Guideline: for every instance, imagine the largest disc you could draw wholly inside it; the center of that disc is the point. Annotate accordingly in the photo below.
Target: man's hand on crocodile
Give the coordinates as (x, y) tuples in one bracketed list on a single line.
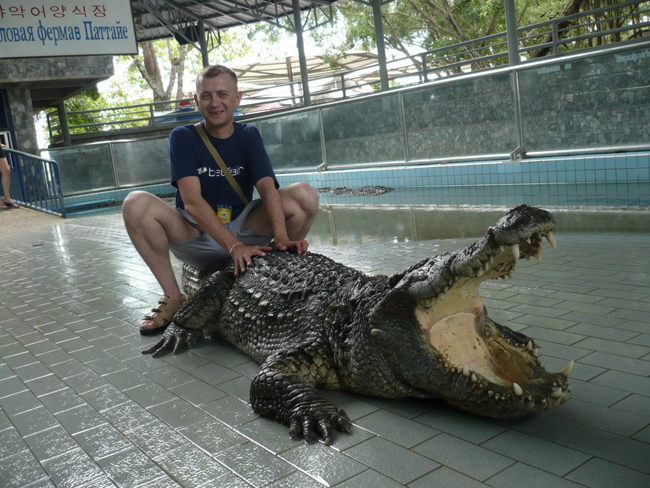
[(174, 340), (299, 247), (242, 256)]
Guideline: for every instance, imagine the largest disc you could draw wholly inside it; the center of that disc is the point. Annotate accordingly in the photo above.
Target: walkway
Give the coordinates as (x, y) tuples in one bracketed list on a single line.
[(82, 407)]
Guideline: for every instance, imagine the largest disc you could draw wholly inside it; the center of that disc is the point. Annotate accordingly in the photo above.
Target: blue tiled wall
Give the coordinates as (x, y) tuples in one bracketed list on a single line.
[(609, 181), (613, 181), (98, 198)]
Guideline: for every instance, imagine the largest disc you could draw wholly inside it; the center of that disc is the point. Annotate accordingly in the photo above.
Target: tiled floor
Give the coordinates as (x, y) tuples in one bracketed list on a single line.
[(82, 407)]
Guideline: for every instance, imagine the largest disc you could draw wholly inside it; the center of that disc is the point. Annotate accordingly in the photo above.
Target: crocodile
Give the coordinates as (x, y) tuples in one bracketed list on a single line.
[(313, 323)]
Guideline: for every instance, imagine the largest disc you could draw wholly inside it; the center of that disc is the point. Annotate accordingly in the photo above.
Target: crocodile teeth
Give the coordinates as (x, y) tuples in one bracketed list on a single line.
[(557, 393), (550, 237), (567, 369), (465, 371), (538, 255), (528, 240), (515, 251), (474, 378), (518, 390), (529, 346)]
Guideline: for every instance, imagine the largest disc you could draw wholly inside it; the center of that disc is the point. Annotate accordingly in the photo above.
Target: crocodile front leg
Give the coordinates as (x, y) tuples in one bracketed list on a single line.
[(195, 315), (284, 390)]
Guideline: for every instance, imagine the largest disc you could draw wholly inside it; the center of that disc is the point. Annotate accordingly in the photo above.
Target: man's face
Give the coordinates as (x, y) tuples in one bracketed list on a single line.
[(217, 100)]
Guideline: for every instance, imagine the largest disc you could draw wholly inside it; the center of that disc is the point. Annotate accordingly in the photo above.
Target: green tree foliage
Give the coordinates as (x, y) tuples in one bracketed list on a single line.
[(90, 99), (416, 26)]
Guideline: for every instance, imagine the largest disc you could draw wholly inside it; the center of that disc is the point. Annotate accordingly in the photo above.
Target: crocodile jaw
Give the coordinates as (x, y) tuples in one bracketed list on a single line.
[(474, 363)]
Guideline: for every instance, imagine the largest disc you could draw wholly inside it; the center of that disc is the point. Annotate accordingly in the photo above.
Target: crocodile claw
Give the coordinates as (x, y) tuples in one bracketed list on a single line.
[(322, 419), (174, 340)]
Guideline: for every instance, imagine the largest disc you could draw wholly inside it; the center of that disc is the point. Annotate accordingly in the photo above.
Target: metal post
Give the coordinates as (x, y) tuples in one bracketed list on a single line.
[(63, 124), (424, 68), (511, 32), (556, 46), (513, 57), (379, 39), (203, 43), (304, 75)]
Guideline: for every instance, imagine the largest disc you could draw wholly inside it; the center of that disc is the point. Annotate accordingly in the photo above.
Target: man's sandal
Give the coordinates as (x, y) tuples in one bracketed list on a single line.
[(162, 314)]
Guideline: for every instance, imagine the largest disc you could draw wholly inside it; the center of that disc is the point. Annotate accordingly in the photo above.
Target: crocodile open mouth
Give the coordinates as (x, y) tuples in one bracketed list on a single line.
[(469, 344)]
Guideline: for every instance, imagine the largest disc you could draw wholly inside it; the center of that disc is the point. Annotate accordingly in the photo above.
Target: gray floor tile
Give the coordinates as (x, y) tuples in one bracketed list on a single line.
[(271, 435), (519, 474), (254, 464), (618, 449), (177, 412), (230, 410), (102, 441), (637, 404), (130, 467), (477, 462), (396, 428), (538, 453), (79, 418), (70, 361), (11, 442), (446, 477), (72, 469), (212, 436), (594, 393), (18, 470), (150, 394), (400, 464), (602, 418), (156, 438), (602, 474), (643, 435), (618, 363), (325, 464), (297, 479), (198, 393)]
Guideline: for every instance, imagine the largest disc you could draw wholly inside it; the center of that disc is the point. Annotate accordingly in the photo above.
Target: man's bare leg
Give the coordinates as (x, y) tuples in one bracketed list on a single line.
[(300, 205), (152, 224)]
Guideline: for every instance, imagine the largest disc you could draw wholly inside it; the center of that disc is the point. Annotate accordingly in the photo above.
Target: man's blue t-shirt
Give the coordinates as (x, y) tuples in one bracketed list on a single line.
[(243, 152)]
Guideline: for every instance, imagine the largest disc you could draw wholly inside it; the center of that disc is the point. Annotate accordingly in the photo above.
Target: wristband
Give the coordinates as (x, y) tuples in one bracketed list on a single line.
[(234, 246)]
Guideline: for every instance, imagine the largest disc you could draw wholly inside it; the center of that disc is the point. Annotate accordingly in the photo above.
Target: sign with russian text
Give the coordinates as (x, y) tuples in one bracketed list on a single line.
[(45, 28)]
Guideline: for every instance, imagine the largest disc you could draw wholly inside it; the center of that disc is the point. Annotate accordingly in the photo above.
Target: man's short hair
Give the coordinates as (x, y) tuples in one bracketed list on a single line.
[(213, 72)]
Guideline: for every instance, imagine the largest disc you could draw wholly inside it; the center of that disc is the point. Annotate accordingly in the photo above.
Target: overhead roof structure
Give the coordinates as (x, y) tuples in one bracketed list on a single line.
[(156, 18), (198, 22), (286, 70)]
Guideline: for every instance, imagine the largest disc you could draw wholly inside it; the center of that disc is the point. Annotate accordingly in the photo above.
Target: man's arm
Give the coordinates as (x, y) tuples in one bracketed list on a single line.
[(272, 202), (197, 207)]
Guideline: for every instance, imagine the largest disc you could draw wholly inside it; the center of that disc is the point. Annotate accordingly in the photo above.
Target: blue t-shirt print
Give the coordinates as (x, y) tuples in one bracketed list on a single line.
[(243, 152)]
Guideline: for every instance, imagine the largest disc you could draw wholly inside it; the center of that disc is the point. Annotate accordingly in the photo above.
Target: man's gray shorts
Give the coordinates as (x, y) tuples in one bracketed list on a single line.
[(204, 250)]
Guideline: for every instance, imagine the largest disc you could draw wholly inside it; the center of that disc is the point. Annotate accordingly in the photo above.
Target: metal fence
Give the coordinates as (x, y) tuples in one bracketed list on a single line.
[(35, 182), (581, 104), (625, 22)]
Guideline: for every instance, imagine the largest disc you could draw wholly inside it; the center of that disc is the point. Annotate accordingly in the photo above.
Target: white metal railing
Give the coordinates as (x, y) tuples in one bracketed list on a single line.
[(625, 22)]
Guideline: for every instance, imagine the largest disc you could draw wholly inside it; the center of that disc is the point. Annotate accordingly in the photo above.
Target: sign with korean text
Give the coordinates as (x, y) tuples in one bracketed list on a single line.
[(45, 28)]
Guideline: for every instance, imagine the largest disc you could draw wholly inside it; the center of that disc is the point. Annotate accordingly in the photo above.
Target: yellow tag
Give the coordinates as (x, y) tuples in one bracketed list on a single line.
[(224, 215)]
